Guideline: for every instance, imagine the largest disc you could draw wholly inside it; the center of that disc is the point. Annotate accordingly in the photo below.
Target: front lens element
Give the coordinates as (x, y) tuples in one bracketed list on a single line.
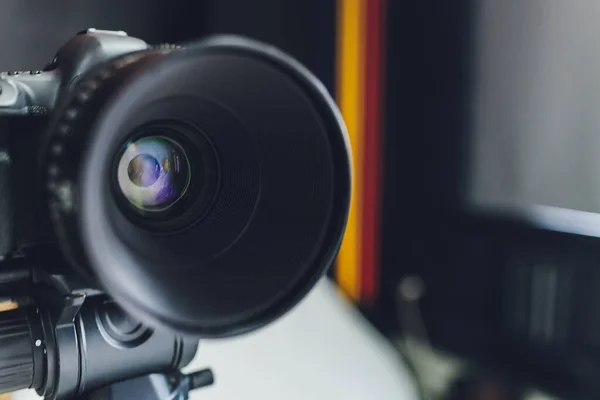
[(143, 170), (153, 173)]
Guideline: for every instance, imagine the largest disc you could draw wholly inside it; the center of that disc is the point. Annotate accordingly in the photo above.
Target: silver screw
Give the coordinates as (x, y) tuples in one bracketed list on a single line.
[(53, 170), (64, 130), (57, 149), (71, 113), (411, 288)]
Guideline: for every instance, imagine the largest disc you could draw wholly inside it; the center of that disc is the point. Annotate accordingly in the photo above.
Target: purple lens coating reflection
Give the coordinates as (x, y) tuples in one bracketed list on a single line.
[(153, 173), (143, 170)]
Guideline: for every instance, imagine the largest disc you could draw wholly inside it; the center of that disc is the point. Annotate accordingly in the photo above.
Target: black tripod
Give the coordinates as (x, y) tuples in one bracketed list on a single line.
[(73, 344), (153, 387)]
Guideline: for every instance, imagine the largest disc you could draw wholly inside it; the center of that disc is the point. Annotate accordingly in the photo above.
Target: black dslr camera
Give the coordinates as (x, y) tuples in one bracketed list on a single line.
[(151, 196)]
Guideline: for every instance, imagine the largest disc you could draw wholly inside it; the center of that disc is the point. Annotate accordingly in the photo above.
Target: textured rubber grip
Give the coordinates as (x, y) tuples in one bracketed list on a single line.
[(16, 351)]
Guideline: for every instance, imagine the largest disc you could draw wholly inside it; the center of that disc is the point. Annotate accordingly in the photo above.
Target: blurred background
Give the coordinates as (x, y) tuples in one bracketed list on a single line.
[(470, 253)]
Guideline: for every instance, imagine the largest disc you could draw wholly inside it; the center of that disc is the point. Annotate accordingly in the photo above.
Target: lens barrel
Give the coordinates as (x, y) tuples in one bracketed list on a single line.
[(16, 351), (85, 345), (269, 184)]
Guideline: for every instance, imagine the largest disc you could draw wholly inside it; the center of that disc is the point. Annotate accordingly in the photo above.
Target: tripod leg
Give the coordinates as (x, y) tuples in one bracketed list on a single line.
[(149, 387)]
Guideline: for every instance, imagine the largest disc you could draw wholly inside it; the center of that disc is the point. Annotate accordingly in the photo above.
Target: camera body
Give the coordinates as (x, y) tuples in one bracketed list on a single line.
[(27, 99), (61, 315)]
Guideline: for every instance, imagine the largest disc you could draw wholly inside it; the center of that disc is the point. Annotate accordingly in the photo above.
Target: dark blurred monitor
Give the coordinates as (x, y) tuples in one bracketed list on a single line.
[(535, 147)]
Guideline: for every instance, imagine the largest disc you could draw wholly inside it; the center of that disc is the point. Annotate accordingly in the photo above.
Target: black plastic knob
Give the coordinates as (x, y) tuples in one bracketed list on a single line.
[(16, 351)]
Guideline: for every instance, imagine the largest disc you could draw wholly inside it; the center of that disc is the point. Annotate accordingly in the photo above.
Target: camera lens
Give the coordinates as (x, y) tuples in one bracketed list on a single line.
[(153, 173), (206, 189)]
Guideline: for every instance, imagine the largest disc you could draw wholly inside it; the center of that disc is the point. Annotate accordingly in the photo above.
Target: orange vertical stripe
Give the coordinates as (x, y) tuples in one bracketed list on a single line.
[(350, 86)]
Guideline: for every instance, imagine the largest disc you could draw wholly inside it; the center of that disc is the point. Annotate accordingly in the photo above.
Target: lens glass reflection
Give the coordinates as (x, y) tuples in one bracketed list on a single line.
[(153, 173)]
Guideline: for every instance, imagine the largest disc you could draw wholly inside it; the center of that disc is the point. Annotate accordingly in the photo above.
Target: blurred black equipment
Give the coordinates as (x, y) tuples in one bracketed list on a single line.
[(502, 127), (151, 196)]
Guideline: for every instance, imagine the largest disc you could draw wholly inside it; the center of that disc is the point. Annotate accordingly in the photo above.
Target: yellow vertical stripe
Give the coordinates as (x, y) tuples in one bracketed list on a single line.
[(350, 88)]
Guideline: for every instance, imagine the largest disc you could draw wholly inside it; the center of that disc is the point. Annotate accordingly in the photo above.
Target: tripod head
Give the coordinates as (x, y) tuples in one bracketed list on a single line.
[(153, 387), (62, 341)]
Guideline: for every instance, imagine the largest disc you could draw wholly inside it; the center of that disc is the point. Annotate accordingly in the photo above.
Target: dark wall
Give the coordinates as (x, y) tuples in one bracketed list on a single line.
[(32, 30), (304, 28)]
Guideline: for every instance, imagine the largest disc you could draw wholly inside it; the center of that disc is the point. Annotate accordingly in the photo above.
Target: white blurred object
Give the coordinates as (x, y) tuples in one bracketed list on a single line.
[(322, 350)]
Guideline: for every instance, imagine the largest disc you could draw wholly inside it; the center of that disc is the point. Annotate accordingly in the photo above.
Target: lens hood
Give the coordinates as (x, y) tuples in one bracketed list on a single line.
[(273, 217)]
